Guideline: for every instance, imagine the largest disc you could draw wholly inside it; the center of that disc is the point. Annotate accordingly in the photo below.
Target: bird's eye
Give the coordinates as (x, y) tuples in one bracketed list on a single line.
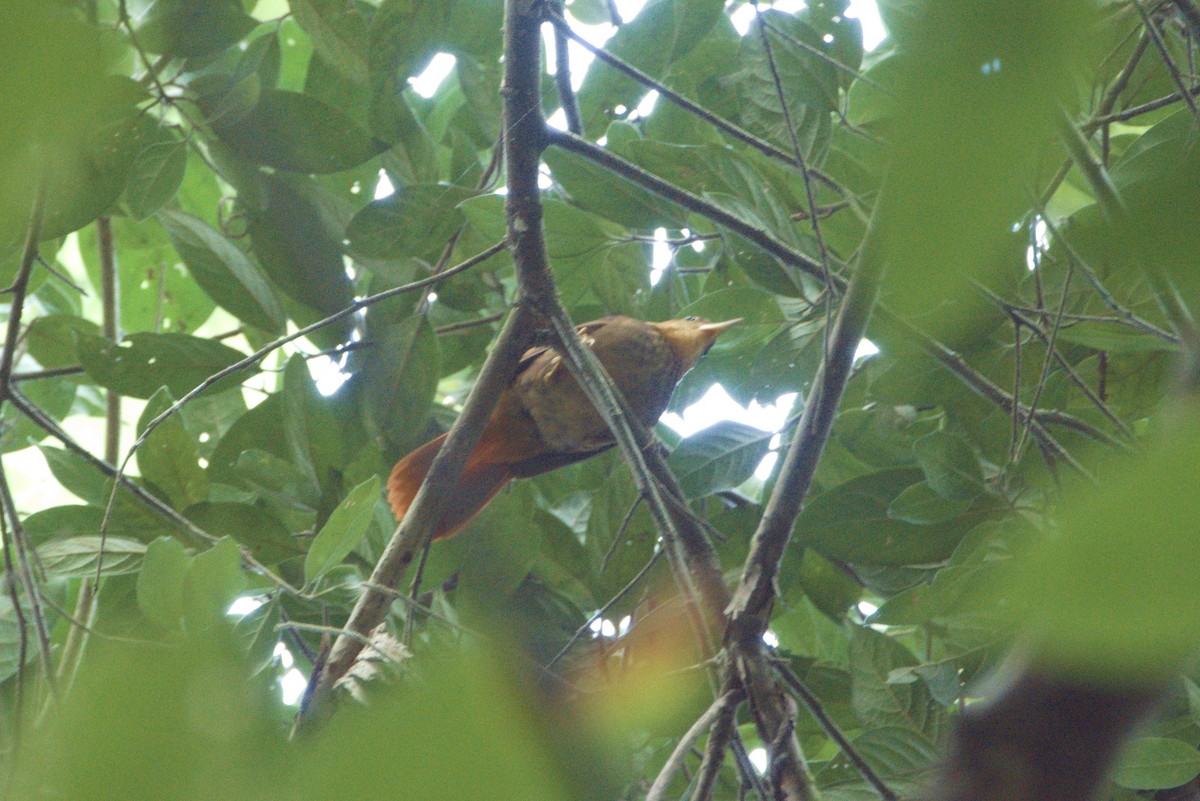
[(691, 318)]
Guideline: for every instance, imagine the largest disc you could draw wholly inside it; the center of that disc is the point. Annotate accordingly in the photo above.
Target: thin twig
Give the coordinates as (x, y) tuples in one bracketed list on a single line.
[(562, 79), (52, 372), (1165, 54), (602, 611), (720, 123), (1145, 108), (1020, 319), (831, 729), (822, 55), (466, 325), (1107, 297), (1050, 351), (19, 541), (798, 152), (617, 540)]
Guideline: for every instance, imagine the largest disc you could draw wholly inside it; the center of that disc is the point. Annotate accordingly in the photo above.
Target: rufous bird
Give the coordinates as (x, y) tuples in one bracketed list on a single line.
[(543, 420)]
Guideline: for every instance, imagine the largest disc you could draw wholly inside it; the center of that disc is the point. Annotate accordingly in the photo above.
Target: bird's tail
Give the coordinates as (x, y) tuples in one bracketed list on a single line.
[(481, 479)]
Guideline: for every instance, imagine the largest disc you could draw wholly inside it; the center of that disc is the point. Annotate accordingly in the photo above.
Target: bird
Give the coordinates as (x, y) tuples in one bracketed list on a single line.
[(543, 420)]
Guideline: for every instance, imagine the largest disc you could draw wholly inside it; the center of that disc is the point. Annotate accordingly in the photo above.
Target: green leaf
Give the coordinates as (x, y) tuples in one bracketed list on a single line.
[(338, 33), (51, 339), (661, 34), (827, 585), (413, 222), (298, 240), (850, 522), (156, 175), (168, 458), (601, 191), (86, 180), (223, 271), (51, 95), (950, 465), (881, 702), (402, 381), (77, 476), (993, 80), (343, 530), (920, 505), (213, 582), (251, 526), (720, 457), (142, 363), (1114, 338), (193, 27), (810, 85), (12, 635), (63, 522), (314, 435), (160, 584), (293, 132), (79, 556), (1157, 763)]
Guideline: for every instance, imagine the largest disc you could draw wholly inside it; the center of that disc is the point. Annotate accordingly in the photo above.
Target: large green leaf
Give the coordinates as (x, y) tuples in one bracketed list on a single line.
[(1157, 763), (850, 522), (252, 526), (225, 273), (338, 32), (168, 458), (402, 381), (992, 81), (880, 701), (80, 556), (156, 174), (343, 530), (293, 132), (214, 579), (950, 465), (142, 363), (193, 27), (298, 240), (160, 584), (718, 458), (414, 222)]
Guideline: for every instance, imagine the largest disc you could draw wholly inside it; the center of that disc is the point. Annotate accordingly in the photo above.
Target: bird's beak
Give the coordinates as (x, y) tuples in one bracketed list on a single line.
[(714, 329)]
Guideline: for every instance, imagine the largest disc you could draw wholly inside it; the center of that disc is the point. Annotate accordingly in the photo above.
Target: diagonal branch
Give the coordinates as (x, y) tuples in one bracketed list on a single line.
[(753, 600), (720, 123), (721, 709), (950, 360)]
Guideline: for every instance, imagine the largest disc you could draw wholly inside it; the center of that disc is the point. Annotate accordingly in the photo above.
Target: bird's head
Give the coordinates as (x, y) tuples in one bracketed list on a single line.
[(691, 337)]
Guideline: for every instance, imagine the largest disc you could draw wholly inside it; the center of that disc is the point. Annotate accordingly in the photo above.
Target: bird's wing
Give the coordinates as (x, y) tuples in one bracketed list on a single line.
[(586, 331)]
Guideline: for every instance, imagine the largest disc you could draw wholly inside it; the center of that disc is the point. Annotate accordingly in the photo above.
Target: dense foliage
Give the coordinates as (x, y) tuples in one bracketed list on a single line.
[(210, 168)]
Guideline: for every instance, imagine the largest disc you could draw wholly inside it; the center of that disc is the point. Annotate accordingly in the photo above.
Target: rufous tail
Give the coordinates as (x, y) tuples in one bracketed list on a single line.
[(480, 481)]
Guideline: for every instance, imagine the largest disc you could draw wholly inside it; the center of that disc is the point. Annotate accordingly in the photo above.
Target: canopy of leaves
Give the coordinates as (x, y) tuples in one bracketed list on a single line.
[(229, 172)]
